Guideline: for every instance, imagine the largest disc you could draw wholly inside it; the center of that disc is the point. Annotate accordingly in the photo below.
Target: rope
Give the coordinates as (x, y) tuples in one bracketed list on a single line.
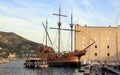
[(43, 39)]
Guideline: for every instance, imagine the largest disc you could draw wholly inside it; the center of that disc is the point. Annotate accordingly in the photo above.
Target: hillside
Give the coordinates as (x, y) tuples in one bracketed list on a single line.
[(12, 43)]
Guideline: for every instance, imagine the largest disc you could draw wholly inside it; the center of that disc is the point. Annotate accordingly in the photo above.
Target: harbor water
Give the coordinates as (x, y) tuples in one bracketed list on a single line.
[(16, 67)]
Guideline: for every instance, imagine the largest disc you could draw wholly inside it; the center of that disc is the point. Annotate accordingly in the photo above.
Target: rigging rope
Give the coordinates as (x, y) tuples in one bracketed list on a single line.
[(88, 42), (69, 38), (43, 39), (55, 40)]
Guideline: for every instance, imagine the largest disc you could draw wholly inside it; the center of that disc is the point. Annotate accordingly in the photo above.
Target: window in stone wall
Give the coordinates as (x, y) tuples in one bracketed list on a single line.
[(108, 54), (95, 46), (108, 47), (95, 54)]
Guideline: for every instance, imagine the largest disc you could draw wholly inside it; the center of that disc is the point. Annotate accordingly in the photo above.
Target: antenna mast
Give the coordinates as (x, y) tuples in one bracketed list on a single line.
[(59, 24)]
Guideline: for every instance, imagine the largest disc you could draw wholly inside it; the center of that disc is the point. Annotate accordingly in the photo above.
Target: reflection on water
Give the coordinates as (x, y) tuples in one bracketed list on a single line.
[(16, 67)]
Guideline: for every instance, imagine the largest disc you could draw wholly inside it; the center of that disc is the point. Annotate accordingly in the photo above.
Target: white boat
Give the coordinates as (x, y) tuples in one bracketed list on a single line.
[(43, 65)]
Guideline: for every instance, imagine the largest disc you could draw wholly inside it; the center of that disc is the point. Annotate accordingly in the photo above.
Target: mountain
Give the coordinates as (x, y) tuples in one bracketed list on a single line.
[(12, 43)]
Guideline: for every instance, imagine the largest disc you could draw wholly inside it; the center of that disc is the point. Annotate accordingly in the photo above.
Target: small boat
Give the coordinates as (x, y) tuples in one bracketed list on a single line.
[(4, 61), (43, 65), (35, 63)]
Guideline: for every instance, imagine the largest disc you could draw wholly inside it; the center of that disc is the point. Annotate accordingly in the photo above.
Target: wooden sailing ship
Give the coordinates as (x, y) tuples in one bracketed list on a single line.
[(69, 59)]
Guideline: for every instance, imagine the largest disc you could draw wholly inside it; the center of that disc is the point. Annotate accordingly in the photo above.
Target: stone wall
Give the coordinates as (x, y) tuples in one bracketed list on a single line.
[(107, 46)]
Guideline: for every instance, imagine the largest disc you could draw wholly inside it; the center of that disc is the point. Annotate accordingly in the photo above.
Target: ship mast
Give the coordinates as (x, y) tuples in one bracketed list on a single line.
[(46, 31), (47, 34), (59, 24), (71, 26)]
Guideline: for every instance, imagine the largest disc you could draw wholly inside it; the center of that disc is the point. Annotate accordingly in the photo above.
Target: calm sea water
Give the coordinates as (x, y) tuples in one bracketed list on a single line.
[(16, 67)]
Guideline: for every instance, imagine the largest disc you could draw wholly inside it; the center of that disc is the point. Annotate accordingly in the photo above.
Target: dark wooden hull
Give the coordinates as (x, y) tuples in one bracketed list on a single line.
[(72, 62), (65, 64)]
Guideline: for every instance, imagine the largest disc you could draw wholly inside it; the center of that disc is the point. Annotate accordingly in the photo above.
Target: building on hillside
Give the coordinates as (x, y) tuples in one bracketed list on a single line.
[(107, 43), (12, 56), (1, 48)]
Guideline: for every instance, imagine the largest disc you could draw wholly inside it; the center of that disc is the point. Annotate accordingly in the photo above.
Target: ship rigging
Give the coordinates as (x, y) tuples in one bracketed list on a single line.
[(70, 59)]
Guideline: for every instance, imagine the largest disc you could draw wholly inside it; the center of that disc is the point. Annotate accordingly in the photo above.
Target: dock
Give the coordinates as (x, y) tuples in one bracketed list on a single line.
[(100, 69), (111, 70)]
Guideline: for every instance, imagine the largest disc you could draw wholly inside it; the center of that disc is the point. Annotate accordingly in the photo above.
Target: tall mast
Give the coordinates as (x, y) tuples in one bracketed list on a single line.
[(46, 31), (59, 24), (71, 26)]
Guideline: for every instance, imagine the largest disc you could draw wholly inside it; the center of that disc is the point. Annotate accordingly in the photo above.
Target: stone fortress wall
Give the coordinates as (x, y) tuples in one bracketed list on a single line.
[(107, 43)]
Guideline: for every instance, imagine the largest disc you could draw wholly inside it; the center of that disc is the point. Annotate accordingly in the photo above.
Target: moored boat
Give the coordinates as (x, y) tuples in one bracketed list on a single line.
[(35, 63), (69, 59), (4, 61)]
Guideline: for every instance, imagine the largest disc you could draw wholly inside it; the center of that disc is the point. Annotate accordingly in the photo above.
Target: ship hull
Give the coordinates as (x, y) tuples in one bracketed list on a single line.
[(72, 62), (67, 59), (65, 64)]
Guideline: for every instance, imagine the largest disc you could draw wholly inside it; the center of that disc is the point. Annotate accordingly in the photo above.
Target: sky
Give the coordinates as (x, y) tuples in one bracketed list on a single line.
[(25, 17)]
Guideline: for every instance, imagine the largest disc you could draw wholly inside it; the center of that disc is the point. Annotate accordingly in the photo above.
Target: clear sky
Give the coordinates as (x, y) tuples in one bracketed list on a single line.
[(25, 17)]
